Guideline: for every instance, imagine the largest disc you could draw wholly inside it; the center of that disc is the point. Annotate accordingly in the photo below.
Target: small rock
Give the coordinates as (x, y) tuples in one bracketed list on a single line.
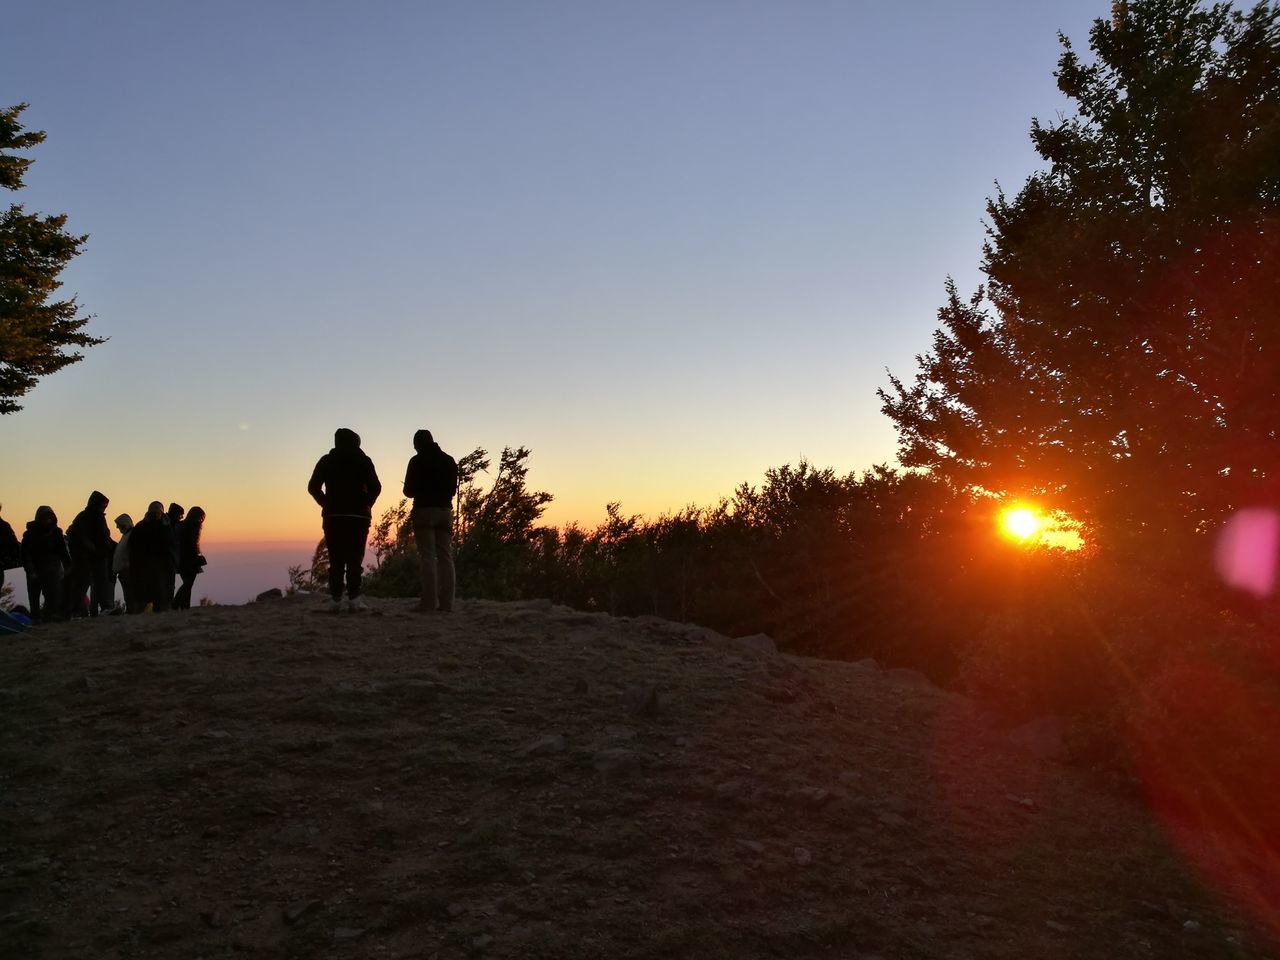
[(1192, 926), (1057, 927), (482, 942), (455, 910), (619, 733), (545, 746), (348, 933), (299, 909), (614, 761), (810, 796), (1025, 802), (802, 856), (890, 819), (751, 846), (275, 593), (641, 700), (729, 789), (217, 734)]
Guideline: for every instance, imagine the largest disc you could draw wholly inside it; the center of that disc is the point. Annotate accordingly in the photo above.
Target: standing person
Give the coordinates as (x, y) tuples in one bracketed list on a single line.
[(151, 560), (10, 550), (431, 480), (89, 540), (120, 560), (46, 559), (346, 486), (174, 520), (190, 560)]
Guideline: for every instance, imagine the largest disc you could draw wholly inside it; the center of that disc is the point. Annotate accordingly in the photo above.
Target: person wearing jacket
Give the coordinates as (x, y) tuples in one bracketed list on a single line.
[(10, 549), (151, 560), (346, 486), (173, 517), (46, 560), (190, 560), (431, 481), (90, 543), (120, 559)]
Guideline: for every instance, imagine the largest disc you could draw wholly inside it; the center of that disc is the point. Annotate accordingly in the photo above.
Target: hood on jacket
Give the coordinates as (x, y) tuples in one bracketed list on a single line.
[(344, 439), (44, 514), (423, 441), (124, 523), (97, 501)]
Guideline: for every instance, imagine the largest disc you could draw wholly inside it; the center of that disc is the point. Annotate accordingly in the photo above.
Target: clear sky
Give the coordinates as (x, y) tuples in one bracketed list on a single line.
[(665, 245)]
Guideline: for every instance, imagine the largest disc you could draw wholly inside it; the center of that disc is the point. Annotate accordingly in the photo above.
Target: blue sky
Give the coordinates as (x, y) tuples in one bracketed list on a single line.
[(665, 245)]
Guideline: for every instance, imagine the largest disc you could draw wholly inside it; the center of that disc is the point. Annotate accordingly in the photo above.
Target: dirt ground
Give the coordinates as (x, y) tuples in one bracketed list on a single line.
[(522, 780)]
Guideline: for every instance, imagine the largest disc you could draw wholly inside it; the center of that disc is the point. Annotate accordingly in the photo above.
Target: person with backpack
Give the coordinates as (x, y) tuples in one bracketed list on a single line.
[(46, 560), (431, 481), (346, 486)]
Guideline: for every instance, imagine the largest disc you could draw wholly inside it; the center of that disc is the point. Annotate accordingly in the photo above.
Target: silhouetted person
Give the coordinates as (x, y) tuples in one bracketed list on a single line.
[(10, 549), (90, 543), (120, 560), (346, 486), (151, 560), (173, 517), (190, 560), (431, 481), (46, 561)]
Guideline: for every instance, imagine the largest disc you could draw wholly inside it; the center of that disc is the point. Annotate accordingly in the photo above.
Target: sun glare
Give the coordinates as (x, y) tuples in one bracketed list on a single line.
[(1020, 523)]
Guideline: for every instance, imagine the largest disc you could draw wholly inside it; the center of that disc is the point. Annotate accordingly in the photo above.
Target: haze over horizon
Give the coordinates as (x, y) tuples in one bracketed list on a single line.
[(665, 248)]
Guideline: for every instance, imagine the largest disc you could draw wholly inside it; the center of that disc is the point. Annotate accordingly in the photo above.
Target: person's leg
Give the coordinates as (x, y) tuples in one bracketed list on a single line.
[(424, 534), (182, 599), (74, 586), (333, 544), (359, 537), (445, 575)]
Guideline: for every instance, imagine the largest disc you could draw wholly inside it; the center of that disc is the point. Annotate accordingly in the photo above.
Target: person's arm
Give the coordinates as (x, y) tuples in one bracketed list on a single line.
[(316, 485), (375, 485), (410, 485)]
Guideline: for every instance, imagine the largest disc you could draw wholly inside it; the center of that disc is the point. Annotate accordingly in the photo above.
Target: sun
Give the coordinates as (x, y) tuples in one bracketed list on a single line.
[(1021, 523)]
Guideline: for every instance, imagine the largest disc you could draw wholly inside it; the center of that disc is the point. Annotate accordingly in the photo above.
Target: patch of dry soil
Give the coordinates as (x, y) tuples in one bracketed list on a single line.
[(523, 780)]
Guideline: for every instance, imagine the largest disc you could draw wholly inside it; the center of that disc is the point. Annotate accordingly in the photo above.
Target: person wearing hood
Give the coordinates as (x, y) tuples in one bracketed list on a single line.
[(120, 559), (151, 561), (346, 486), (89, 540), (190, 560), (431, 481), (46, 560)]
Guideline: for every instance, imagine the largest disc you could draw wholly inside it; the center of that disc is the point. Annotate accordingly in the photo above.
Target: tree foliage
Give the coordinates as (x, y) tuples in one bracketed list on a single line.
[(38, 334), (1122, 362)]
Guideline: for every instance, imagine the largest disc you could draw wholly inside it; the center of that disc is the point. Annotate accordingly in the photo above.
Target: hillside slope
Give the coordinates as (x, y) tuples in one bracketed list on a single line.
[(522, 780)]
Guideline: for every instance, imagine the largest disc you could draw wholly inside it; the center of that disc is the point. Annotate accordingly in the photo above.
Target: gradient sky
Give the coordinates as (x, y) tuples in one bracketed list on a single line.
[(665, 245)]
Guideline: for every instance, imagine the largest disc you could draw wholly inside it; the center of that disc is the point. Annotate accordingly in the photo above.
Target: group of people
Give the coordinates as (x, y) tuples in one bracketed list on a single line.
[(155, 561), (346, 486)]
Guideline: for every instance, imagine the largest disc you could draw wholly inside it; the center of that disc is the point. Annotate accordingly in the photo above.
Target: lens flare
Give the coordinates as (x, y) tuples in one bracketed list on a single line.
[(1020, 523)]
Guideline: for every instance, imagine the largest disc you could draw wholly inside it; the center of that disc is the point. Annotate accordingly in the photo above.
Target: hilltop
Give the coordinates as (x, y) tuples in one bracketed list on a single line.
[(524, 780)]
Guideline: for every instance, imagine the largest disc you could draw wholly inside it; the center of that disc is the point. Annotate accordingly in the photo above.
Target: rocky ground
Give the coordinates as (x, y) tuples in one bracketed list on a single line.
[(522, 780)]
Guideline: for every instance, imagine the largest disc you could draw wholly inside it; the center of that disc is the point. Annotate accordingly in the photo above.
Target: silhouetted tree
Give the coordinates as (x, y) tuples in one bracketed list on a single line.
[(1123, 361), (35, 331)]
